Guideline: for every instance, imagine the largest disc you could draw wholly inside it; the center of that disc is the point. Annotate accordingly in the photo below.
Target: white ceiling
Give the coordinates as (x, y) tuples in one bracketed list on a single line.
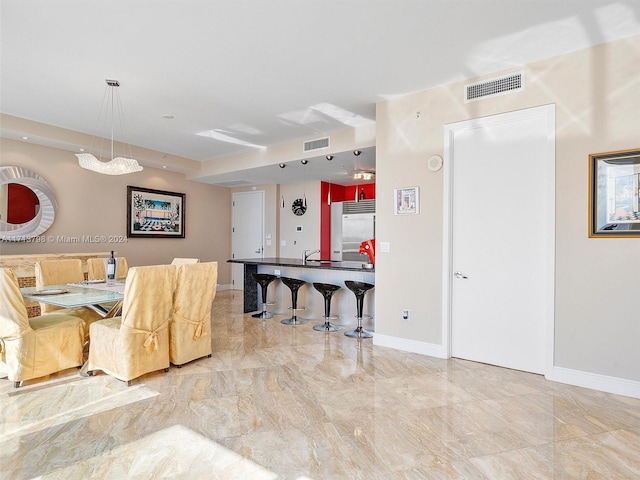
[(243, 74)]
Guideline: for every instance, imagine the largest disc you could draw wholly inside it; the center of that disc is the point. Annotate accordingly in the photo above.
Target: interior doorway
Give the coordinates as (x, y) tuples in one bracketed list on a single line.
[(247, 231), (499, 239)]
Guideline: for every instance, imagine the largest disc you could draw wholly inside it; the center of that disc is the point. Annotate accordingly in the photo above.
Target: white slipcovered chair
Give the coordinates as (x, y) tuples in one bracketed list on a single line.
[(32, 348), (190, 326), (96, 268), (62, 272), (128, 346), (184, 261)]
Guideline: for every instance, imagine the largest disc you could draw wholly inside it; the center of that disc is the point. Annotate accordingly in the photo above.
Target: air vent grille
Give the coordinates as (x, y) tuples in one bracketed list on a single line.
[(494, 87), (315, 144), (363, 206)]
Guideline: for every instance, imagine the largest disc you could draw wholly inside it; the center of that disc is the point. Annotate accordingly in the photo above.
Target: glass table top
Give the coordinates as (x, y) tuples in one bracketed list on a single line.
[(75, 295)]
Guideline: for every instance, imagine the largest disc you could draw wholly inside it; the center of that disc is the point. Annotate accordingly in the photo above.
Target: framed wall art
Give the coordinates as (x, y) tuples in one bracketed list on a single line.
[(614, 178), (406, 201), (155, 213)]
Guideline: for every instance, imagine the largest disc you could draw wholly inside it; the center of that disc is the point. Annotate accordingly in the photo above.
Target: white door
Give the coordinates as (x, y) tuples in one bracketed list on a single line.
[(502, 237), (247, 231)]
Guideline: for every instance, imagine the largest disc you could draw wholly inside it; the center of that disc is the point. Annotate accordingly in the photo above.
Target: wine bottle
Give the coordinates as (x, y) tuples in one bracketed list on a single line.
[(111, 268)]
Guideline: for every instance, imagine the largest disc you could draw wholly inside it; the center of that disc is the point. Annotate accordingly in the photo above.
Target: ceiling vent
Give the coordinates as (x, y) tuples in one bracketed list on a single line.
[(318, 144), (494, 87)]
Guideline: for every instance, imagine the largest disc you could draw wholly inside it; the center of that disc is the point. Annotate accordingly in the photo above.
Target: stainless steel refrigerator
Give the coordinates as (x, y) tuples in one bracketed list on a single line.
[(352, 223)]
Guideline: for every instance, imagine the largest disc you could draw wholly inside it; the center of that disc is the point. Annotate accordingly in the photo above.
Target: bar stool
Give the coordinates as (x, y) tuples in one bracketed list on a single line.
[(264, 279), (359, 289), (327, 290), (294, 284)]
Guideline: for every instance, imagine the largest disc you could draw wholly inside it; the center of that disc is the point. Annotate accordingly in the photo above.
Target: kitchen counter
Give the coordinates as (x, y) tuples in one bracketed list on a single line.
[(297, 262), (324, 271)]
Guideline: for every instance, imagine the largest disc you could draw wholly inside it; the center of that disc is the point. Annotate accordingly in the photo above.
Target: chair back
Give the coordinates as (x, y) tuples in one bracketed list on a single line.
[(184, 261), (148, 298), (58, 272), (14, 320), (97, 268), (190, 328)]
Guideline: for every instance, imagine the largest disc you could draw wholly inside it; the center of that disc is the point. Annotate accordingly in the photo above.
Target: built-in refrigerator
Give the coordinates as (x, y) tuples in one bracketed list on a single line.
[(351, 224)]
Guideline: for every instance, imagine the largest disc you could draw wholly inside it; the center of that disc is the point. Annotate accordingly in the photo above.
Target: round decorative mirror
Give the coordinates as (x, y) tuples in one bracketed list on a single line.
[(43, 206)]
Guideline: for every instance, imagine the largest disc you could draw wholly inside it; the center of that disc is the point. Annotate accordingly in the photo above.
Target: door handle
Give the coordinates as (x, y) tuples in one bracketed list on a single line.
[(459, 275)]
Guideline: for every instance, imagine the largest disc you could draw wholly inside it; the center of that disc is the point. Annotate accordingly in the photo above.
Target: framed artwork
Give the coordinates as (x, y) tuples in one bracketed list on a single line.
[(406, 201), (614, 178), (155, 213)]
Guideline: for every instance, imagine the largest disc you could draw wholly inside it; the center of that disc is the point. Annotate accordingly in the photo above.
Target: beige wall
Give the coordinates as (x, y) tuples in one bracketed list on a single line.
[(91, 204), (596, 93)]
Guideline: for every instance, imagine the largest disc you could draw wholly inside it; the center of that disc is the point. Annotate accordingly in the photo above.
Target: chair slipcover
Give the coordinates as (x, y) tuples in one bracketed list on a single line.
[(137, 342), (96, 268), (62, 272), (184, 261), (32, 348), (190, 326)]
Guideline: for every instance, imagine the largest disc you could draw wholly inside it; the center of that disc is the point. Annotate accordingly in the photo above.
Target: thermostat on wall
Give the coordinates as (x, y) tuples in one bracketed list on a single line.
[(298, 228)]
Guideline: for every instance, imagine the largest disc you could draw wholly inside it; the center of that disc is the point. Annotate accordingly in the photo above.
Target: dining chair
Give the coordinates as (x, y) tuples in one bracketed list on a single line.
[(190, 325), (184, 261), (96, 268), (62, 272), (137, 342), (38, 346)]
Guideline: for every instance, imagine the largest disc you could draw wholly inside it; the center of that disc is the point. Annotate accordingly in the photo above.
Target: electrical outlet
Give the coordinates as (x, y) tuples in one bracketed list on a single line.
[(405, 314)]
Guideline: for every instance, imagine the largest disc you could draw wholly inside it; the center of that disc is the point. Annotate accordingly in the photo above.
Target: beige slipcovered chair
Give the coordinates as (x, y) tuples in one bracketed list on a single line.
[(62, 272), (96, 268), (184, 261), (190, 326), (128, 346), (32, 348)]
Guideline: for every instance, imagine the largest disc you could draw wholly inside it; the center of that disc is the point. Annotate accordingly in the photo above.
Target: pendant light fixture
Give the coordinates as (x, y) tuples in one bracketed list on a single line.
[(117, 165), (304, 182)]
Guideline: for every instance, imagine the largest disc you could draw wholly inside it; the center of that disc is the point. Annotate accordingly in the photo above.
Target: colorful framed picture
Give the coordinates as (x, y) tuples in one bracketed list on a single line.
[(406, 201), (155, 213)]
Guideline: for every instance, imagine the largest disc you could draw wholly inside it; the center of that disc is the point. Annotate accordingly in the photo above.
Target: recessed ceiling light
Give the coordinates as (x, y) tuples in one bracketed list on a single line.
[(25, 138), (281, 165), (82, 149), (168, 116), (304, 162)]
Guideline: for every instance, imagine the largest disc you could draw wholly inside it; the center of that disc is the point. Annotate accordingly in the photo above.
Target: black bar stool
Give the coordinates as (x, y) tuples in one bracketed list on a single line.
[(359, 289), (294, 284), (327, 290), (264, 279)]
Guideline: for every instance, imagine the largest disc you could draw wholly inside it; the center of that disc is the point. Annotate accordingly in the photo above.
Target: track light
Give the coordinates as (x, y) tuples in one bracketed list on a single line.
[(357, 152), (329, 157), (281, 165), (304, 162)]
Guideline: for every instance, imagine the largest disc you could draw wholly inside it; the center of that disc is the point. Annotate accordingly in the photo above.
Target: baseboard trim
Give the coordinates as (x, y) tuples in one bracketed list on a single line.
[(224, 287), (578, 378), (407, 345), (595, 381)]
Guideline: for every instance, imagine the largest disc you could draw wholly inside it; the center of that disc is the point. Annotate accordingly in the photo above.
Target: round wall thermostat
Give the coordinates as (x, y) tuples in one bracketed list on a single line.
[(434, 163)]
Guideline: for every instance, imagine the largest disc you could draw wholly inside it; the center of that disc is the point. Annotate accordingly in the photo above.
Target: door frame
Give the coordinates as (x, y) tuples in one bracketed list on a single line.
[(450, 130), (234, 266)]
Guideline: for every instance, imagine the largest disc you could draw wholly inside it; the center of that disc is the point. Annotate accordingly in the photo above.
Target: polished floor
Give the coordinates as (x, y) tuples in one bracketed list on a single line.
[(283, 402)]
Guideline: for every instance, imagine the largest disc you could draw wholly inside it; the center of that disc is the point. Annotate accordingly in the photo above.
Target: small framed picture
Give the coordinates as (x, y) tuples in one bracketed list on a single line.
[(406, 201), (155, 213)]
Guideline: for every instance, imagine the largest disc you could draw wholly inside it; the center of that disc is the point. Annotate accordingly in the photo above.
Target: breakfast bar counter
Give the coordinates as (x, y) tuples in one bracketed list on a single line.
[(324, 271)]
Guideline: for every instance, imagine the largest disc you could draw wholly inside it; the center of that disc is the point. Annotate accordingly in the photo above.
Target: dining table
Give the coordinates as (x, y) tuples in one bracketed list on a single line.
[(97, 295)]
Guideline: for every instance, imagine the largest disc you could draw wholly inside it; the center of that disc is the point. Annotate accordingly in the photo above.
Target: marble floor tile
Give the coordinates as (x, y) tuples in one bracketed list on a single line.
[(286, 402)]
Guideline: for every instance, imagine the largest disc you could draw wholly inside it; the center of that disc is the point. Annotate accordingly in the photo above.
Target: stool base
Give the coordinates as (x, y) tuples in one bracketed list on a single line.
[(327, 327), (359, 332), (264, 314), (294, 321)]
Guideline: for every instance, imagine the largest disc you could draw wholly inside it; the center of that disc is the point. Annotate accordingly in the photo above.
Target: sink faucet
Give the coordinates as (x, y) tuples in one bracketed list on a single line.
[(306, 254)]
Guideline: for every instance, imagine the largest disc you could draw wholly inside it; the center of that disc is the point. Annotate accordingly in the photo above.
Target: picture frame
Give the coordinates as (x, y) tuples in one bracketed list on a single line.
[(155, 213), (614, 195), (406, 201)]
